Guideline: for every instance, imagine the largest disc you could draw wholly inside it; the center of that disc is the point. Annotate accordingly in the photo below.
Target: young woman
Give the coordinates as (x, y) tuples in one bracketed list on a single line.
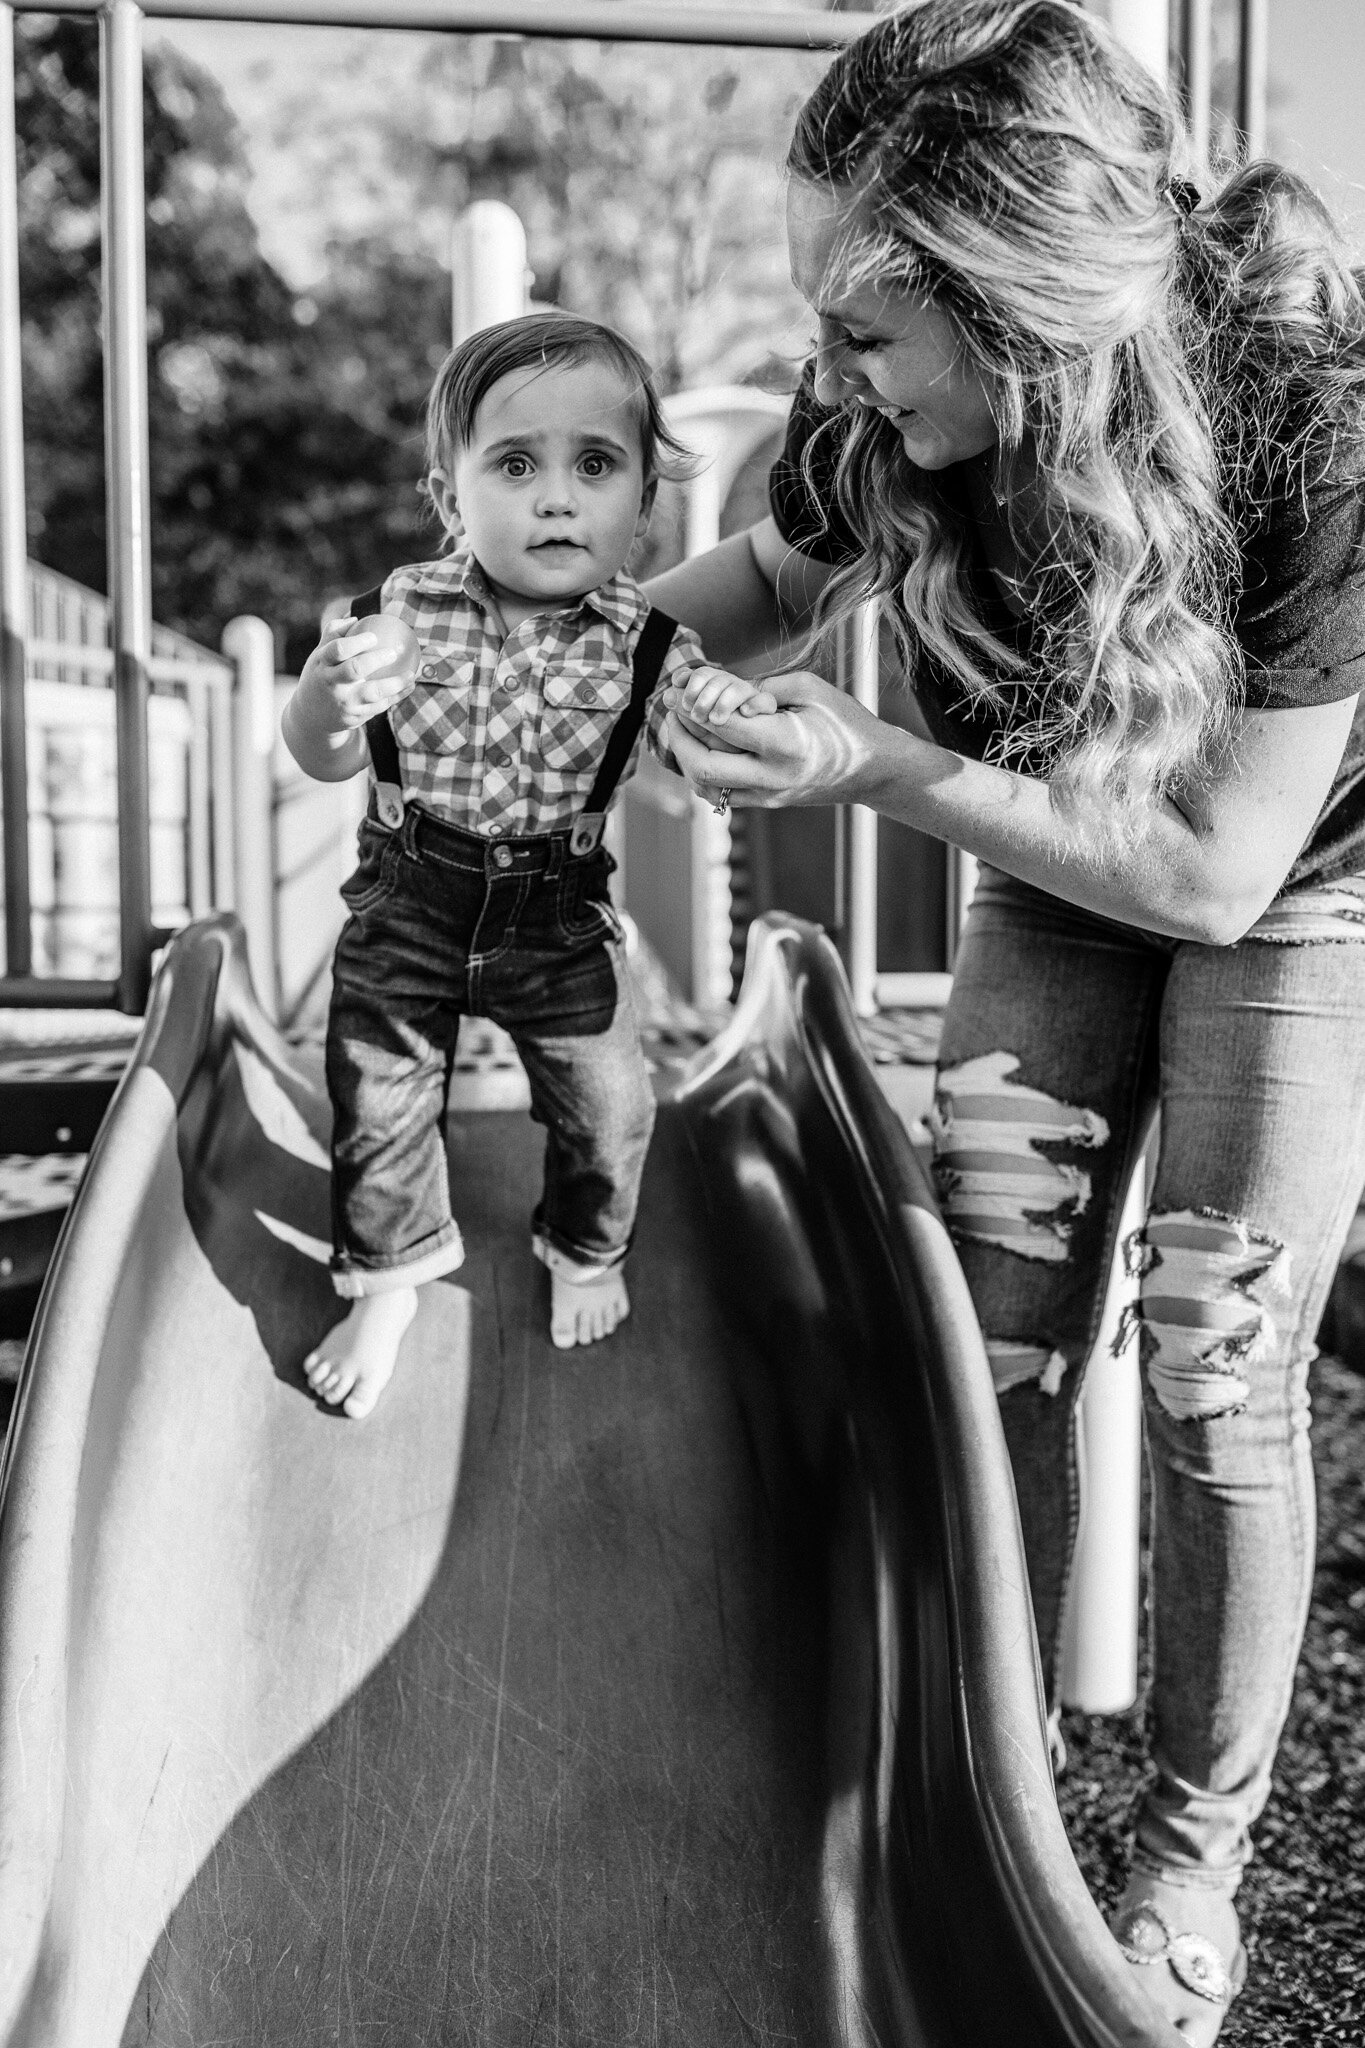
[(1096, 438)]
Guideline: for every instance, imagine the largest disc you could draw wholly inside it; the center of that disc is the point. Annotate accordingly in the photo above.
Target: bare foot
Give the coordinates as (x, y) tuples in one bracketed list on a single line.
[(1194, 1963), (354, 1362), (582, 1311), (586, 1302)]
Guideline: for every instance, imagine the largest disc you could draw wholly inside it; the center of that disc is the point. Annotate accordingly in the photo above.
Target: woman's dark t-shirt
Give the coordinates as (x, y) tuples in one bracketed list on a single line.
[(1300, 621)]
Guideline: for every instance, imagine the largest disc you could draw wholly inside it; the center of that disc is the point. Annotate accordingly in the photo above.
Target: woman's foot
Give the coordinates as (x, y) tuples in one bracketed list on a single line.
[(354, 1362), (1184, 1947)]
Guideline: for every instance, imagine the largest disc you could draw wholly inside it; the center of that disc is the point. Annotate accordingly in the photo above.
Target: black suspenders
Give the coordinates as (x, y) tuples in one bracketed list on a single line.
[(646, 667)]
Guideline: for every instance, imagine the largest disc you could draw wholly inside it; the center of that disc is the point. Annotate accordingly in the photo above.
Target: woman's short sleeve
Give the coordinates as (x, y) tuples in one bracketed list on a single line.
[(801, 493), (1301, 616)]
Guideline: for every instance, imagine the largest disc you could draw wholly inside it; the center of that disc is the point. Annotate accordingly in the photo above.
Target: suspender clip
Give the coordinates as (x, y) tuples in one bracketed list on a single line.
[(389, 804), (586, 836)]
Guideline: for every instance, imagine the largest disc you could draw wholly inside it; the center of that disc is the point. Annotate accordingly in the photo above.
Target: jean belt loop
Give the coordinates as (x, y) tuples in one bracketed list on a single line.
[(555, 859)]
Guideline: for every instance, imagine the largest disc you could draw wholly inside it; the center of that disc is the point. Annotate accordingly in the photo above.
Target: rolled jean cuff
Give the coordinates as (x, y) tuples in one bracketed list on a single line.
[(428, 1261), (570, 1261), (1188, 1875)]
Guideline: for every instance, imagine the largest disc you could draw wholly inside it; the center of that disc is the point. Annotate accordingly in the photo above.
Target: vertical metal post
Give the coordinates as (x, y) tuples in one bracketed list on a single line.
[(862, 829), (127, 489), (250, 644), (1145, 26), (963, 871), (1198, 55), (488, 271), (13, 537), (1099, 1647), (222, 780), (199, 853), (1252, 73)]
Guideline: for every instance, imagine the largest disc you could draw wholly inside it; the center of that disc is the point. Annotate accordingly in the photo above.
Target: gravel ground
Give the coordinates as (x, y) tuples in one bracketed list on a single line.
[(1303, 1902)]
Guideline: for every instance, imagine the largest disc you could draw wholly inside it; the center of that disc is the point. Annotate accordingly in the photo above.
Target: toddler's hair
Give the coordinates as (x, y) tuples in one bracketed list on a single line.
[(543, 341)]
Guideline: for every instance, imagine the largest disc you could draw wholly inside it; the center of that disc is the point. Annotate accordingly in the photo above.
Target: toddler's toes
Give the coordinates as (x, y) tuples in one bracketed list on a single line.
[(352, 1366), (563, 1327), (320, 1371), (585, 1311), (331, 1380), (604, 1319)]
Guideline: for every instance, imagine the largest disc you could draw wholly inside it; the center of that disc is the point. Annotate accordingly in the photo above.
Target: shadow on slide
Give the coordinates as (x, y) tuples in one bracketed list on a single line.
[(681, 1690)]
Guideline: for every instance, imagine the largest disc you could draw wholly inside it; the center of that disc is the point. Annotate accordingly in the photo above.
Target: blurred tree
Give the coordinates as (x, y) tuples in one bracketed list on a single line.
[(286, 426), (648, 177), (284, 435)]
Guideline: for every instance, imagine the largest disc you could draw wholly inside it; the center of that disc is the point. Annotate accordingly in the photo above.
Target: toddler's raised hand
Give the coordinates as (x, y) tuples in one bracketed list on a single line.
[(712, 697), (362, 666)]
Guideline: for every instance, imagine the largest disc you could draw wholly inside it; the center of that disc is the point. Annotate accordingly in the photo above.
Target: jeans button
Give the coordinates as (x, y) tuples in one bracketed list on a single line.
[(502, 856)]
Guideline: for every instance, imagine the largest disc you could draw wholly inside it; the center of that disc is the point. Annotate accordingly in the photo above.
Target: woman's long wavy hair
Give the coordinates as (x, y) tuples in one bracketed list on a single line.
[(1177, 365)]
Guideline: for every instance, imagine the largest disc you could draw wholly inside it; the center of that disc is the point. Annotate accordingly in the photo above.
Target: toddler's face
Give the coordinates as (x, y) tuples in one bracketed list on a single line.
[(550, 487)]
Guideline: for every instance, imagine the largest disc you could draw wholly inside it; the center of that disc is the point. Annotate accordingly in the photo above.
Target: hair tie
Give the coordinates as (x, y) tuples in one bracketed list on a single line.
[(1183, 196)]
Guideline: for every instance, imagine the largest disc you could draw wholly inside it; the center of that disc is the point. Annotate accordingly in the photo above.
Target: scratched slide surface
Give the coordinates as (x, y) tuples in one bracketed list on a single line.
[(572, 1800)]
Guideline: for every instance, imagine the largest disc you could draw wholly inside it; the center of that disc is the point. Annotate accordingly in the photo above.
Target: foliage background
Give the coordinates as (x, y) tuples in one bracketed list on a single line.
[(285, 421)]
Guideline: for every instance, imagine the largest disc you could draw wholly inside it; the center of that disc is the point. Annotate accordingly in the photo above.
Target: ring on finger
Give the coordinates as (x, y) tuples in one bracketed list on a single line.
[(722, 803)]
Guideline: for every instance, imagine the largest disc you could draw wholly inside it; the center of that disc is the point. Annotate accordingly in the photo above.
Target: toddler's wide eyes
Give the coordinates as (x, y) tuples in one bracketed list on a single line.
[(595, 465), (516, 466)]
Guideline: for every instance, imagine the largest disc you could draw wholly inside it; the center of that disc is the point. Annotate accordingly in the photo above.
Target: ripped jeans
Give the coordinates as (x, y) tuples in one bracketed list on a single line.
[(1063, 1033)]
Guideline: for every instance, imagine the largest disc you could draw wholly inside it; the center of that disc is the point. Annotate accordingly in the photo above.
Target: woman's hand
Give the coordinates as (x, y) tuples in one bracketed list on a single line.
[(816, 748)]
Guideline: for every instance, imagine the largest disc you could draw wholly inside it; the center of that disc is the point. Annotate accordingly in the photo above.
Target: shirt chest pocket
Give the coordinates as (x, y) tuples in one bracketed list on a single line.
[(437, 716), (579, 710)]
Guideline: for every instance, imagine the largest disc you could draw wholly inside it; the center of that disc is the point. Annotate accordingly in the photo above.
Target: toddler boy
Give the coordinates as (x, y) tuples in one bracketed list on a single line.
[(482, 884)]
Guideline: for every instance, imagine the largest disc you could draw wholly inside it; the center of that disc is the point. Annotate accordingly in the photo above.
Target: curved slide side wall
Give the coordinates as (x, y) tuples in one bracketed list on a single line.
[(953, 1898)]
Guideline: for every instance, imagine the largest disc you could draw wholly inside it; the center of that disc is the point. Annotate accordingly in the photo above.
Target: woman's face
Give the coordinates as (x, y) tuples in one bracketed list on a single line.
[(895, 354)]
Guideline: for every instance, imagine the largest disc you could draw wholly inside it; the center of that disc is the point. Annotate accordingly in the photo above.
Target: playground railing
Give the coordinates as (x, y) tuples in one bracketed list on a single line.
[(132, 654), (72, 782)]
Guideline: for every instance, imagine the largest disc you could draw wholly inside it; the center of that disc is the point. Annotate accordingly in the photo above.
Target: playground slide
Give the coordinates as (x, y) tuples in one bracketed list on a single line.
[(682, 1690)]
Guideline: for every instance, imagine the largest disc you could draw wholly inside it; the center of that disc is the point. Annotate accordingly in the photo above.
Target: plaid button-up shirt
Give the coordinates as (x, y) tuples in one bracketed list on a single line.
[(505, 736)]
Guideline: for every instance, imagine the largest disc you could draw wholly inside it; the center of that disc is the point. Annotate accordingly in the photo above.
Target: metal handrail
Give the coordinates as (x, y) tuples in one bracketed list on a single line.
[(789, 28), (101, 661)]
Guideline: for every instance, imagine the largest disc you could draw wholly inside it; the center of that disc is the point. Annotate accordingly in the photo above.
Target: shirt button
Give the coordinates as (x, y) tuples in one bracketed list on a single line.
[(502, 856), (587, 695)]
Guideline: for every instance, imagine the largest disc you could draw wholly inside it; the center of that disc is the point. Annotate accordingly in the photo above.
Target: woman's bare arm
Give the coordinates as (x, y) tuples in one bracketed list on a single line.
[(1205, 870), (749, 599)]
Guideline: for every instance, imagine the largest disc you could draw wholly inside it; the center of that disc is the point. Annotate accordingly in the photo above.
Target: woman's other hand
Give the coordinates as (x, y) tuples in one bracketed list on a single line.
[(815, 748)]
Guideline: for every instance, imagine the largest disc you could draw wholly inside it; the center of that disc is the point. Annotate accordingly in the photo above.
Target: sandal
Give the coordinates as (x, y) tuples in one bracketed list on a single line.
[(1196, 1962)]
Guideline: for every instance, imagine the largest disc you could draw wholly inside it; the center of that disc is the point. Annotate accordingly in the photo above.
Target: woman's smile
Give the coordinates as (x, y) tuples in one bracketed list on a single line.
[(895, 354)]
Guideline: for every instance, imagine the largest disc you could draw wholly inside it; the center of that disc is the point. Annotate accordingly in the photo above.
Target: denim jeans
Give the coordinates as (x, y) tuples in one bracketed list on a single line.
[(445, 924), (1063, 1033)]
